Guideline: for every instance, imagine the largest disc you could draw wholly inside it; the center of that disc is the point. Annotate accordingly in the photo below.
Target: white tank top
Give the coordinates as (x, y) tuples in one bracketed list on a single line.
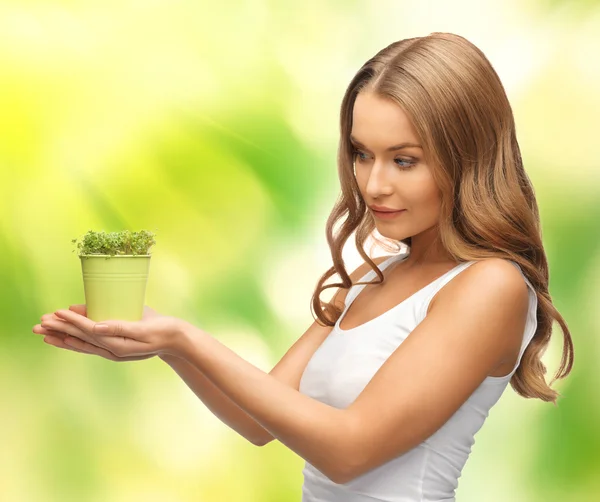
[(344, 364)]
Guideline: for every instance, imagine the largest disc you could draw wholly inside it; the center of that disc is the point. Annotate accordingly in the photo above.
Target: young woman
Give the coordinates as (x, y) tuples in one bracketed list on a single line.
[(383, 395)]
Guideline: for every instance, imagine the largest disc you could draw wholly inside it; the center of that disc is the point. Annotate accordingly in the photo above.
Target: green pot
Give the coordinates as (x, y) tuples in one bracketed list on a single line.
[(115, 286)]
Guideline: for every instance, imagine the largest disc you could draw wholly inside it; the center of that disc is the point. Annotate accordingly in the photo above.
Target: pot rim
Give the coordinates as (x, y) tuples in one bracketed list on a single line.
[(114, 256)]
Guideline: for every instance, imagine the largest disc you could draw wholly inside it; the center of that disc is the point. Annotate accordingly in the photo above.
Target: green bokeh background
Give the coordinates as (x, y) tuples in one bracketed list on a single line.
[(216, 124)]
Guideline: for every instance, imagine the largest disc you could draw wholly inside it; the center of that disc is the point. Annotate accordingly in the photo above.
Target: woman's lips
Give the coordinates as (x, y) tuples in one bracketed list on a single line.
[(387, 216)]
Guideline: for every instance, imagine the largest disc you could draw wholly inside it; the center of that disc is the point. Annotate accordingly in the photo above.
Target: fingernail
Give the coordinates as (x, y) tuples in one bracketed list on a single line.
[(101, 328)]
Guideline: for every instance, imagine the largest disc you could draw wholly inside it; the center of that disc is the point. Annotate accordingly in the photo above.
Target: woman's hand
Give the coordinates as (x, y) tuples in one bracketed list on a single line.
[(154, 334), (64, 341)]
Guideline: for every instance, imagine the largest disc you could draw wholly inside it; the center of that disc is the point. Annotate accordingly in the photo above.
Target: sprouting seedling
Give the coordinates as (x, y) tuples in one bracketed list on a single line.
[(124, 242)]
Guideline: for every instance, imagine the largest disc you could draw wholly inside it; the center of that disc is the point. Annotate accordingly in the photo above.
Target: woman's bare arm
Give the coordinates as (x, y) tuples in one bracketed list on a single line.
[(288, 370), (217, 402)]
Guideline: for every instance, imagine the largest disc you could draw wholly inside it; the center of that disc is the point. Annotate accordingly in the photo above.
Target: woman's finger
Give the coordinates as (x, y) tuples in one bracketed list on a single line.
[(38, 329), (79, 309), (64, 341), (93, 349), (45, 322), (57, 342), (87, 348), (57, 324), (76, 345)]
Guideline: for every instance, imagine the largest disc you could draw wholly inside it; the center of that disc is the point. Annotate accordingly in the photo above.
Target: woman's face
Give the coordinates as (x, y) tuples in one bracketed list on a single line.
[(398, 179)]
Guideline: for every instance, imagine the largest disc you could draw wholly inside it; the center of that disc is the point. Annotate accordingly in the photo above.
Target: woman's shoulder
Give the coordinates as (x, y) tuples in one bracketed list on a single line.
[(501, 272)]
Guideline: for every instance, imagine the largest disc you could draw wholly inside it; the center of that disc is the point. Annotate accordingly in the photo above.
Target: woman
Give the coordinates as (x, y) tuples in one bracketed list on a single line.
[(383, 399)]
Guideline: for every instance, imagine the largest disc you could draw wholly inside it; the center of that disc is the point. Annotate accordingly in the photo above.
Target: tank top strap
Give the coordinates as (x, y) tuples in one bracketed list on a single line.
[(354, 290), (439, 283), (531, 323)]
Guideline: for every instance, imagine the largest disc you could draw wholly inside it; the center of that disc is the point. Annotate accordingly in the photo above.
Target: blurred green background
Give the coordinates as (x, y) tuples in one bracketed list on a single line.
[(216, 124)]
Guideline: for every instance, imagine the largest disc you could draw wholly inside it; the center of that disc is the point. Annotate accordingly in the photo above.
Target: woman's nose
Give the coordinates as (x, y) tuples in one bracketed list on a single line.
[(379, 181)]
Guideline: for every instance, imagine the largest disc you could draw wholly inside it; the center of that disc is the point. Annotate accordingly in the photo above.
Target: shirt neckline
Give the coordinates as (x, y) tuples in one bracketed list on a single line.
[(391, 309)]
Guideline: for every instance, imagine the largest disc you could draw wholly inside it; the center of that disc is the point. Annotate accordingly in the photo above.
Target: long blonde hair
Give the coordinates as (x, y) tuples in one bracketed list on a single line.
[(462, 115)]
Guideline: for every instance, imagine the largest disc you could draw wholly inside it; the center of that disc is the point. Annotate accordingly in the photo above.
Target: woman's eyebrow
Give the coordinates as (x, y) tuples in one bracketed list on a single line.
[(391, 148)]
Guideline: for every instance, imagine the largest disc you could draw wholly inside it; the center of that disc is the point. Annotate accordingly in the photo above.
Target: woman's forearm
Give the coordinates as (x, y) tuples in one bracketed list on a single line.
[(321, 434), (217, 402)]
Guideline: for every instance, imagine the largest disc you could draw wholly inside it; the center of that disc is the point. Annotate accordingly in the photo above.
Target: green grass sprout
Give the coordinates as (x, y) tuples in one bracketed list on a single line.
[(124, 242)]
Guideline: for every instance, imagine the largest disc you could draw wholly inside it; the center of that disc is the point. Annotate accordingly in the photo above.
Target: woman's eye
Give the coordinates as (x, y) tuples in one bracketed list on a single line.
[(403, 163), (407, 163), (358, 153)]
